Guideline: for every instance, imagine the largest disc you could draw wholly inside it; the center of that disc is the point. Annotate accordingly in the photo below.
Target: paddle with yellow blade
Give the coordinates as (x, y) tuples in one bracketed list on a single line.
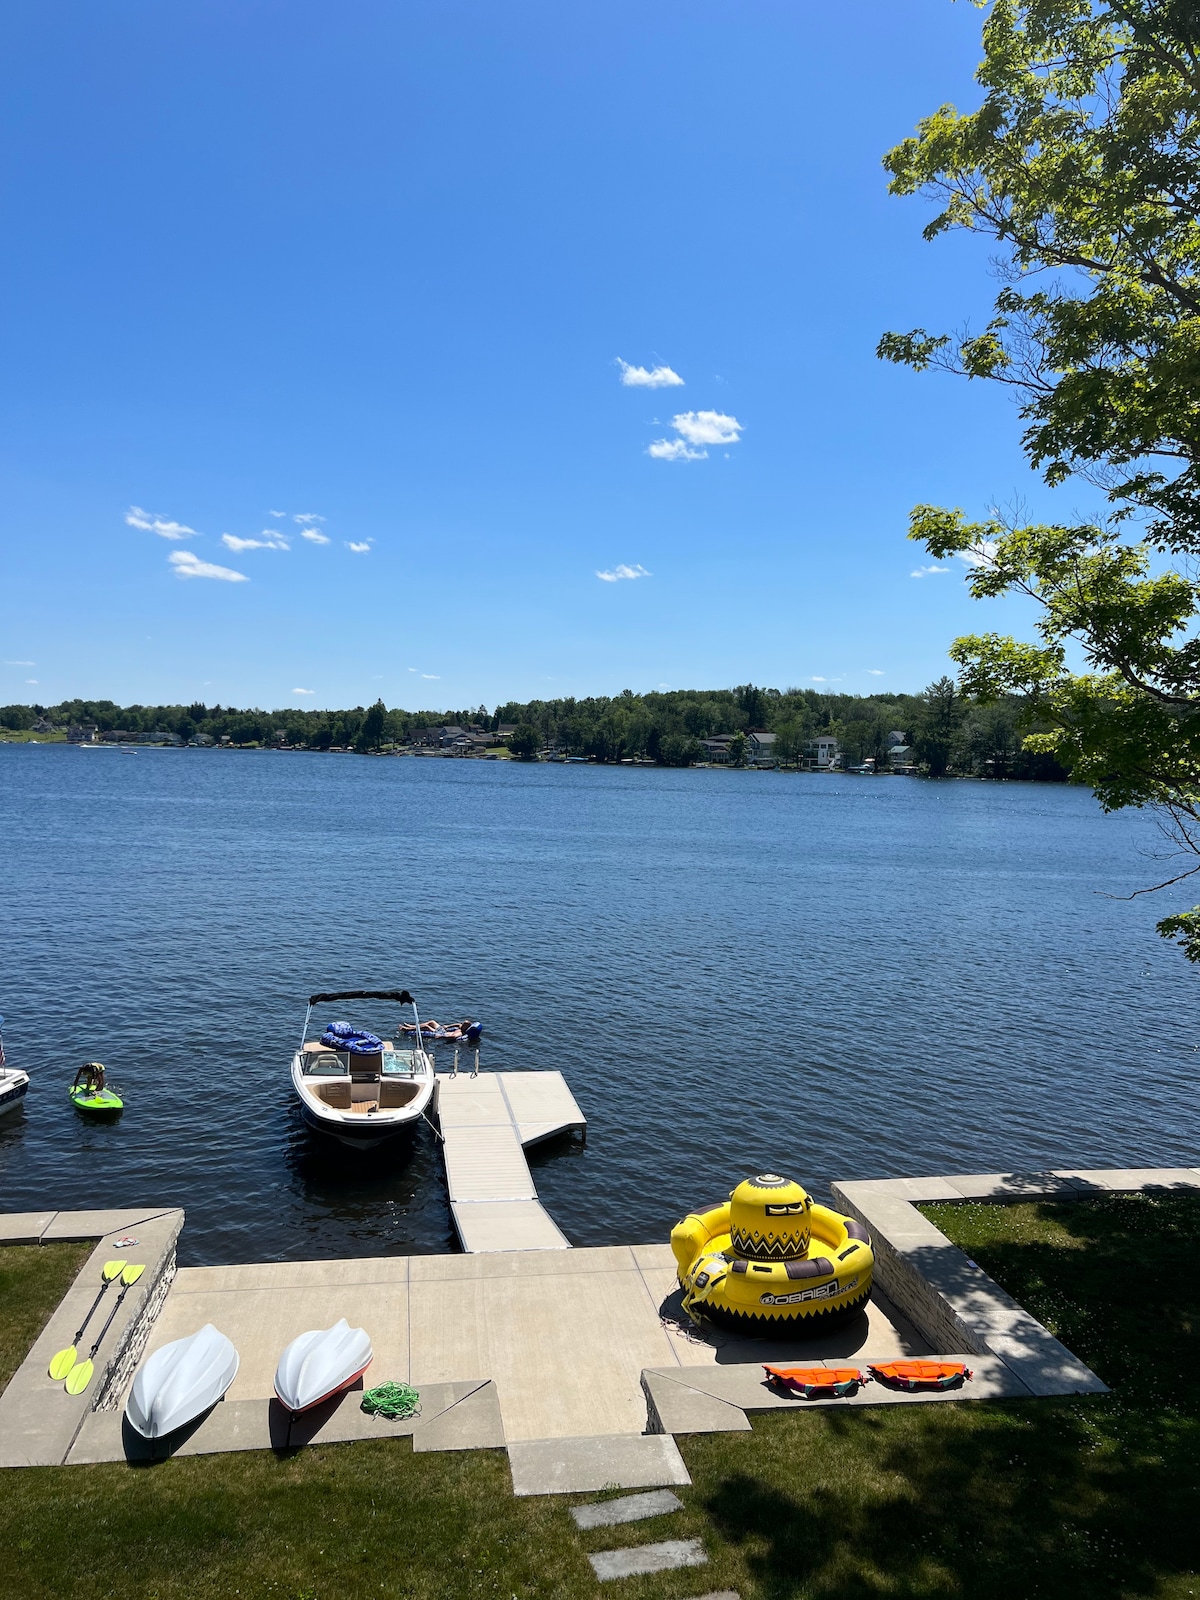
[(63, 1360), (80, 1375)]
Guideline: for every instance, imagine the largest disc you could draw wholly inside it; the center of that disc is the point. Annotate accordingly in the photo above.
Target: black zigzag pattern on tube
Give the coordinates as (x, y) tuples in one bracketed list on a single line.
[(757, 1248)]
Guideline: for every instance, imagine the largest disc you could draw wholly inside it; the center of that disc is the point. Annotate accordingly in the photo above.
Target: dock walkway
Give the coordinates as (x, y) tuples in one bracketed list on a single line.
[(487, 1124)]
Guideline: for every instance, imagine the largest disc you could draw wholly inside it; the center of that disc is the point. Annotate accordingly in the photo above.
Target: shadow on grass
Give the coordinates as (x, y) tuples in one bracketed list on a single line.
[(1074, 1497)]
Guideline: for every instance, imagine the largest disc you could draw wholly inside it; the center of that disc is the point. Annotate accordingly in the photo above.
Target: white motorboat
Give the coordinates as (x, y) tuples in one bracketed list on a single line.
[(356, 1086), (320, 1364), (181, 1381), (13, 1082)]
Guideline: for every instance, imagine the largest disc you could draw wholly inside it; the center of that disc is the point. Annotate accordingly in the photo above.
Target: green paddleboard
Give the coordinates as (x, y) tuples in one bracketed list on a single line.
[(96, 1105)]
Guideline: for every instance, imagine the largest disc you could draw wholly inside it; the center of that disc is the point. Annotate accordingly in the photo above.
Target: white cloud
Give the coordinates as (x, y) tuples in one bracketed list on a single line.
[(648, 377), (307, 516), (20, 663), (980, 555), (304, 691), (313, 536), (269, 541), (31, 680), (818, 680), (674, 450), (360, 548), (188, 565), (149, 523), (434, 677), (277, 513), (623, 571), (875, 672), (707, 427), (924, 572)]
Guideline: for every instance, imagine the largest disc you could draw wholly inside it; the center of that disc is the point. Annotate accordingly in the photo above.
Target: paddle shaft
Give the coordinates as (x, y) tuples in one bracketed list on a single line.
[(125, 1288), (92, 1310)]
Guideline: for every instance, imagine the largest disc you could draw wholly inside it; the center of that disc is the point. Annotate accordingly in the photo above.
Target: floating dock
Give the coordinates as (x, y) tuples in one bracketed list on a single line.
[(487, 1124)]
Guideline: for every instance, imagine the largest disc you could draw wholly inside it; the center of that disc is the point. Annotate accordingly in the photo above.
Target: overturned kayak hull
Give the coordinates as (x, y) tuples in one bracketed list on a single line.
[(181, 1381), (320, 1364)]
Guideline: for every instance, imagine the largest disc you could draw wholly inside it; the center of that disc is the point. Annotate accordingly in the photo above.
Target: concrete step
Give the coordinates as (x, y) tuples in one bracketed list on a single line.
[(631, 1508), (599, 1461), (642, 1558)]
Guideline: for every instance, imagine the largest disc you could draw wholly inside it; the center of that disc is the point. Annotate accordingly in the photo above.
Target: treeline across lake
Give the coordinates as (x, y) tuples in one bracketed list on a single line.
[(945, 732)]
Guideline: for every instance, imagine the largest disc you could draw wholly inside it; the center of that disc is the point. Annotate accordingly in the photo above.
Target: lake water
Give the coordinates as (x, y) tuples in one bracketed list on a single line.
[(833, 976)]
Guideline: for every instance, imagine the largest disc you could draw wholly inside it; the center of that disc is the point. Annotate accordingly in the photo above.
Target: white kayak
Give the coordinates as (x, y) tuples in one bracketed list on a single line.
[(320, 1363), (181, 1381)]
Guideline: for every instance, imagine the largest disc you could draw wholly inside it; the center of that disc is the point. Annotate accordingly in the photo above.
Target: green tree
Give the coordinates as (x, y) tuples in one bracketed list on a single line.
[(1083, 163), (370, 735), (525, 742), (936, 730), (737, 749), (677, 750)]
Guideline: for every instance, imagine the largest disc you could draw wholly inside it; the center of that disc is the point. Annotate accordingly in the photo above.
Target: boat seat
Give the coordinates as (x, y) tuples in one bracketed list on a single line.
[(393, 1094), (335, 1094), (325, 1065)]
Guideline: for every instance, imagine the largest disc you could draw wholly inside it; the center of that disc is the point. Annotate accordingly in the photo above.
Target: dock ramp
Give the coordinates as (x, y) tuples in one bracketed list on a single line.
[(487, 1123)]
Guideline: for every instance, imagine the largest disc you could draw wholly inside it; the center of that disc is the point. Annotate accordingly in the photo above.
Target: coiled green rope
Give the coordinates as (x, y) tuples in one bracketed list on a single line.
[(393, 1400)]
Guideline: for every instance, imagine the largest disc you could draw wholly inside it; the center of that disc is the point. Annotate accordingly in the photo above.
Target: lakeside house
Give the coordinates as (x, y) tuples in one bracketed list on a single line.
[(821, 753), (760, 748), (452, 740), (716, 750), (82, 733)]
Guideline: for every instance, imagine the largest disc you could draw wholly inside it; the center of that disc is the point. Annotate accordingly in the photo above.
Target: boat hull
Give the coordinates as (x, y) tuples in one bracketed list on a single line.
[(13, 1086), (320, 1364), (360, 1134), (181, 1382)]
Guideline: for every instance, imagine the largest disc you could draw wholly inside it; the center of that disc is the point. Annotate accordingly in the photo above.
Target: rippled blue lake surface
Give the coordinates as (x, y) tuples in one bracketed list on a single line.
[(836, 976)]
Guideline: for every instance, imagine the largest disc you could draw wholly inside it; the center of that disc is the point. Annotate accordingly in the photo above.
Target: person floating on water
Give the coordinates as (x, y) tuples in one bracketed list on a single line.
[(90, 1078), (466, 1031)]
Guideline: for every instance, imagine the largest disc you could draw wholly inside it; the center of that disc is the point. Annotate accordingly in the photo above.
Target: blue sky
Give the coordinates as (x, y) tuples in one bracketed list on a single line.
[(378, 265)]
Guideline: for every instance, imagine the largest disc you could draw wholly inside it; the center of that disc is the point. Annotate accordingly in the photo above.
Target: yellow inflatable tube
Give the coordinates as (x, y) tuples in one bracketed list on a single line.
[(769, 1260)]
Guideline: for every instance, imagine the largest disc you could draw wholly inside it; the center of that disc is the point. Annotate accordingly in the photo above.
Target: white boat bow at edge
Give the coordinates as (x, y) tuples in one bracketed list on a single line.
[(13, 1082)]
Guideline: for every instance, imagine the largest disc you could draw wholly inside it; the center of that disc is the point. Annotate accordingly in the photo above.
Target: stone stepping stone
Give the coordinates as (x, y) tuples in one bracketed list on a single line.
[(644, 1558), (596, 1462), (632, 1508)]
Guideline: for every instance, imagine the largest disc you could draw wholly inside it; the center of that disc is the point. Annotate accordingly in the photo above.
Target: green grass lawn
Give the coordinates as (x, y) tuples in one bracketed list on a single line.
[(33, 1279), (1087, 1499)]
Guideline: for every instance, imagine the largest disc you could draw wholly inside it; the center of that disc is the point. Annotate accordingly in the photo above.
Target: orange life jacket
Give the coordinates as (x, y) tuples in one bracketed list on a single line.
[(913, 1375), (815, 1380)]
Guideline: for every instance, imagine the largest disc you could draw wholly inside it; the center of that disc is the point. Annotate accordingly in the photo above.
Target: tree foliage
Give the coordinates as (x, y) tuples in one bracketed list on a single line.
[(666, 727), (1083, 163)]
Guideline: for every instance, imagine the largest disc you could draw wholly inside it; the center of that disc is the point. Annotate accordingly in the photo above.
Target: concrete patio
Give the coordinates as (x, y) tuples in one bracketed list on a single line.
[(564, 1334), (579, 1361)]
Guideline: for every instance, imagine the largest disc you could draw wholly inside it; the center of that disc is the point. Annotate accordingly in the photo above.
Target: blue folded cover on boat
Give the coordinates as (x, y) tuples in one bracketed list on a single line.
[(341, 1036)]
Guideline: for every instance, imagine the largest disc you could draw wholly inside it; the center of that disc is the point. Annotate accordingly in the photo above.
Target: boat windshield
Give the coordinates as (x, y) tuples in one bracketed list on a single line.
[(397, 1062)]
